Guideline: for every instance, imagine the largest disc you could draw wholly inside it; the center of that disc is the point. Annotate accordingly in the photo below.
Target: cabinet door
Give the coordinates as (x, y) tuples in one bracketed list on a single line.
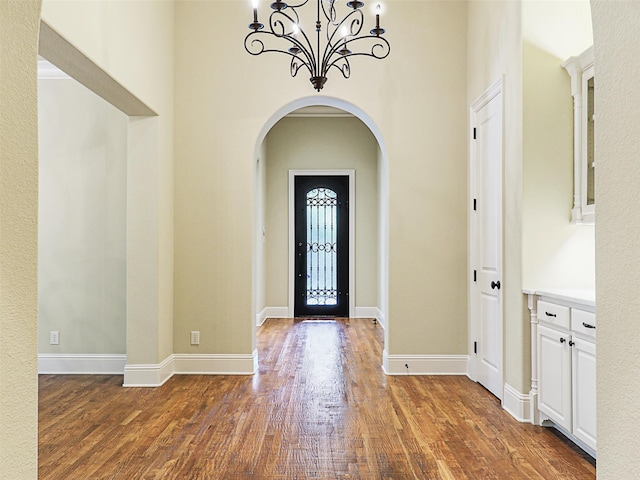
[(554, 375), (584, 391)]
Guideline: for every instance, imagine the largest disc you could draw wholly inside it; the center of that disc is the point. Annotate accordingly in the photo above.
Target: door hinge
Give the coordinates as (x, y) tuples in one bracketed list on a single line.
[(475, 275), (475, 205), (475, 347), (474, 133)]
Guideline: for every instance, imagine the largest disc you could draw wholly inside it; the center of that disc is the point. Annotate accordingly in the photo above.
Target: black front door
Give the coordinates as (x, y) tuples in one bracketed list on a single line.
[(322, 246)]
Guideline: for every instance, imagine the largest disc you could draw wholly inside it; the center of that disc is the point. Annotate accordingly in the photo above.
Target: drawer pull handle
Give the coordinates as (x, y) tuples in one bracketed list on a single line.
[(586, 325), (550, 314)]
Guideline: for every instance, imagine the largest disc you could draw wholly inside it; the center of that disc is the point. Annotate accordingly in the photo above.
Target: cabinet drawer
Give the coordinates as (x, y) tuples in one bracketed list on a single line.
[(553, 314), (583, 322)]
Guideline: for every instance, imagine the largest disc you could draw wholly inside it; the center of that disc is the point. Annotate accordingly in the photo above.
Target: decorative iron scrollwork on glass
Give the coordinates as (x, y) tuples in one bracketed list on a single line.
[(322, 247)]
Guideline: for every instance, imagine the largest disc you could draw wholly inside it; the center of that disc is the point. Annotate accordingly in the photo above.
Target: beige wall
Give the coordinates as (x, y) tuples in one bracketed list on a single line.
[(425, 112), (219, 116), (18, 239), (322, 143), (133, 43), (82, 220), (616, 40)]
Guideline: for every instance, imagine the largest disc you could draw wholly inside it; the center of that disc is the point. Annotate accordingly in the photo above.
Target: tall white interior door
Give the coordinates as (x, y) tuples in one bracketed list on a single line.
[(486, 239)]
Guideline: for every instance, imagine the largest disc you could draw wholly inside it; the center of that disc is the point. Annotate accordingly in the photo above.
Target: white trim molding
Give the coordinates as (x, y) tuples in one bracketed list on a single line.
[(148, 375), (151, 375), (271, 312), (532, 304), (424, 364), (371, 312), (215, 364), (72, 363), (516, 404)]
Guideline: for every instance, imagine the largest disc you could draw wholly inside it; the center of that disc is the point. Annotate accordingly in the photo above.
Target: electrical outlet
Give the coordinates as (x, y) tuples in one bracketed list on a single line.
[(195, 337), (54, 337)]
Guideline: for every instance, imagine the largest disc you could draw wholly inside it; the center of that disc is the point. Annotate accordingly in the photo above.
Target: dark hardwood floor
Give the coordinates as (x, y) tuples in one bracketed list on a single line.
[(319, 408)]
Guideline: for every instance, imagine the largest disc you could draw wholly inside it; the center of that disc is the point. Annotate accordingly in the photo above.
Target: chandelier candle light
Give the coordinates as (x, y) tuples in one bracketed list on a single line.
[(284, 34)]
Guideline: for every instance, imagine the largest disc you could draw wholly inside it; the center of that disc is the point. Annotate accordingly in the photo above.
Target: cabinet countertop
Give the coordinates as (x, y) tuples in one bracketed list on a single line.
[(581, 296)]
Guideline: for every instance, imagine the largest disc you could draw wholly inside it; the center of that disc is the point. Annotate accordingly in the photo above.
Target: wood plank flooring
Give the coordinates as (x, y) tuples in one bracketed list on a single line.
[(320, 407)]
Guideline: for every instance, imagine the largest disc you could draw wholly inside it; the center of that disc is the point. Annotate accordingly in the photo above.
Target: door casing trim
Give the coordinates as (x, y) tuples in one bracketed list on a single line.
[(352, 231)]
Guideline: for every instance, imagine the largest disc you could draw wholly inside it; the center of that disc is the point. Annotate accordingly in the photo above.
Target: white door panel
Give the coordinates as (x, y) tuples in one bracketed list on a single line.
[(584, 391), (486, 239), (554, 375), (489, 373)]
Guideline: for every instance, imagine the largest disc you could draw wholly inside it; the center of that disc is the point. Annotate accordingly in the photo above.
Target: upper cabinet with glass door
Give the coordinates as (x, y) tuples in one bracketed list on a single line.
[(581, 70)]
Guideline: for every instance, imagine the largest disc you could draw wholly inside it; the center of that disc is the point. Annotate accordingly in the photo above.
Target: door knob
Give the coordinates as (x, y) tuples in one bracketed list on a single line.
[(495, 285)]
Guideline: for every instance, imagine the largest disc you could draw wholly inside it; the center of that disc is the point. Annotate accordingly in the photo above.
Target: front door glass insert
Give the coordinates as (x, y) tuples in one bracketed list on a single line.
[(322, 247)]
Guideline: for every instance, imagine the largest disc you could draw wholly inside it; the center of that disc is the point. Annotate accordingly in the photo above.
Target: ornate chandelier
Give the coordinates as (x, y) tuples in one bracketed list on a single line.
[(332, 50)]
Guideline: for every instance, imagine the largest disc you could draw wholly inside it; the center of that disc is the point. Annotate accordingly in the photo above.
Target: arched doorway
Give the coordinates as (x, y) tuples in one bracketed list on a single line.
[(320, 107)]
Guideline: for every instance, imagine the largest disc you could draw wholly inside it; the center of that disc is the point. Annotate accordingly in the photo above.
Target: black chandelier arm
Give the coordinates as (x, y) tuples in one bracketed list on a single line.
[(296, 64), (354, 22), (342, 64), (255, 46), (340, 45), (277, 24), (354, 26), (337, 55), (279, 20), (331, 15), (297, 5), (380, 48)]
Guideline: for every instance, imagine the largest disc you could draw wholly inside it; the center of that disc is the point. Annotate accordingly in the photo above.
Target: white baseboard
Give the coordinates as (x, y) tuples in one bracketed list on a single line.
[(424, 364), (69, 364), (371, 312), (366, 312), (215, 364), (271, 312), (471, 368), (516, 404), (149, 375)]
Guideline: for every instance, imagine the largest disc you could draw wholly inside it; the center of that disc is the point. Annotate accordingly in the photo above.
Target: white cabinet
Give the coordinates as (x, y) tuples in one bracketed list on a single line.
[(554, 371), (564, 374), (584, 391)]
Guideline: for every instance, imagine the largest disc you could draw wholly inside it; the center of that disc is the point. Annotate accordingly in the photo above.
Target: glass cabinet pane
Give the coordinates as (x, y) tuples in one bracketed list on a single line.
[(591, 165)]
